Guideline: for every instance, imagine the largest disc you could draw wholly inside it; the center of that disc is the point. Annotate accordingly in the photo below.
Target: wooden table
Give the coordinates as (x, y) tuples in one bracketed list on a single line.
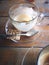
[(13, 53), (41, 41)]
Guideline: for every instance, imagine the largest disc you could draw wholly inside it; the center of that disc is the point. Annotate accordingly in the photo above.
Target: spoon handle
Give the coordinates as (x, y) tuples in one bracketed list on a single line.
[(3, 36)]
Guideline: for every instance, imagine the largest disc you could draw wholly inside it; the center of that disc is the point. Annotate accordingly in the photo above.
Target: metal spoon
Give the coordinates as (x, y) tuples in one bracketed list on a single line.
[(30, 33)]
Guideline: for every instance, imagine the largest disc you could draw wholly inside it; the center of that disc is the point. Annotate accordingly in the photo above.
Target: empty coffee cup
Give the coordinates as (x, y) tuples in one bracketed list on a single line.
[(24, 16)]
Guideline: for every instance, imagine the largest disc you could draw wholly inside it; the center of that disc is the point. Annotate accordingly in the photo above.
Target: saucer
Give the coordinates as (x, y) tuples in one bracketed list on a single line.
[(10, 29)]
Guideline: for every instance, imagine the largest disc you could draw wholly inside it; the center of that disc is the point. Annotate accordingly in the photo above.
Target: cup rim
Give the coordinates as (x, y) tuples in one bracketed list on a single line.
[(40, 53)]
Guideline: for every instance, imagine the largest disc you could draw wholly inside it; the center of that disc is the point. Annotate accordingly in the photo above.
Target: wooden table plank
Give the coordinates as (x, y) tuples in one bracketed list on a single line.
[(37, 42), (14, 56), (5, 5)]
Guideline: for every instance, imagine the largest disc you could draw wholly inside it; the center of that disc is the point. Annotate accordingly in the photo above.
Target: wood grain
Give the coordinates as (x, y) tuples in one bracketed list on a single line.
[(14, 56), (5, 5)]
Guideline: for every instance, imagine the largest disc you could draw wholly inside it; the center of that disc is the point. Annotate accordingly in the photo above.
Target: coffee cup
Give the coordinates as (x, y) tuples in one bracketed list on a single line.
[(43, 57), (24, 16)]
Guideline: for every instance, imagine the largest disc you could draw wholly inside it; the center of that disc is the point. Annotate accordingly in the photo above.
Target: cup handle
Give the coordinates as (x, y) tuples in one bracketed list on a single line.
[(40, 18)]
